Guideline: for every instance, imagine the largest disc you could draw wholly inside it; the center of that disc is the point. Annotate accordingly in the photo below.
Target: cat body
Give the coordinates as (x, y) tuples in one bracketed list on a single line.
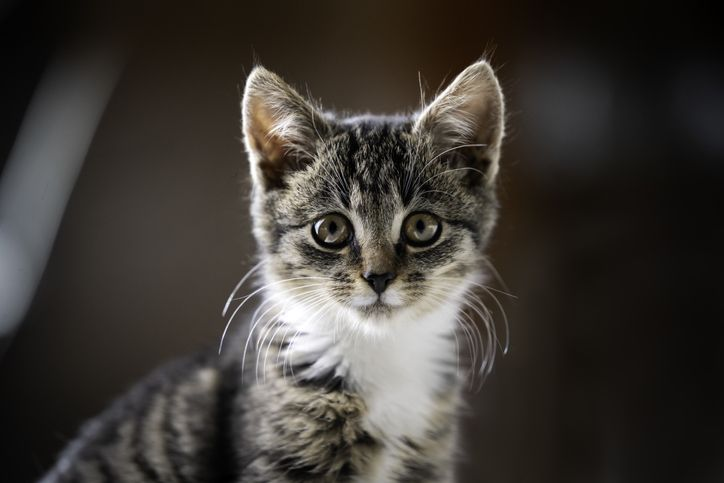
[(371, 231)]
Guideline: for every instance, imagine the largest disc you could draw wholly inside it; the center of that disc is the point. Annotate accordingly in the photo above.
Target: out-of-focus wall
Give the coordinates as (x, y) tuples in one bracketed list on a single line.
[(610, 235)]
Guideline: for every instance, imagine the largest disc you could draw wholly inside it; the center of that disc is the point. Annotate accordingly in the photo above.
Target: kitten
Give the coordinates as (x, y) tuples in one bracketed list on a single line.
[(371, 231)]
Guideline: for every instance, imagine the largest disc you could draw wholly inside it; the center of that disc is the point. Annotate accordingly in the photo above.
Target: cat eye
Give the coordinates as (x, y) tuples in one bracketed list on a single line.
[(421, 229), (332, 231)]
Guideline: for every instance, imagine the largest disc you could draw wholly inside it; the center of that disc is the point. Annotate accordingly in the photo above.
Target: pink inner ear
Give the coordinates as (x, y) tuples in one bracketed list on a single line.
[(280, 128), (259, 128)]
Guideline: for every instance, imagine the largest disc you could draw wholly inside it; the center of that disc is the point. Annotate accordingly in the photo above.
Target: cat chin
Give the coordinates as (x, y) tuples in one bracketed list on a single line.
[(380, 315), (376, 310), (374, 307)]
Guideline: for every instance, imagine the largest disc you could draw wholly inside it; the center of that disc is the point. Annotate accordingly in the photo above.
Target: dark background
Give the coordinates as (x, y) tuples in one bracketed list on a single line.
[(610, 236)]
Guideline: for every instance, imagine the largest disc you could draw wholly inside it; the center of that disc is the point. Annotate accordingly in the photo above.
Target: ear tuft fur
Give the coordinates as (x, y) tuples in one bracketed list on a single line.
[(280, 128), (469, 112)]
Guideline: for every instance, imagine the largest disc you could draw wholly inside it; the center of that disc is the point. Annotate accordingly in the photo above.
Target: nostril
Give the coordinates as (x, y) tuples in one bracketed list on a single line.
[(379, 281)]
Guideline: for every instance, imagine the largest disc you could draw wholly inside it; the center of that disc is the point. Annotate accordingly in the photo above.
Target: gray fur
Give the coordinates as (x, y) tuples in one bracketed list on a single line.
[(298, 400)]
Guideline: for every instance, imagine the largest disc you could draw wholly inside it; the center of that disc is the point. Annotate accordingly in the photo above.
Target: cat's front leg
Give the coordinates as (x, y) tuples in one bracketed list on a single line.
[(305, 433)]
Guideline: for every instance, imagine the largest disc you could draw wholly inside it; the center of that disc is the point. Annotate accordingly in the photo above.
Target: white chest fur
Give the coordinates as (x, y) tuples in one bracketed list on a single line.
[(401, 382), (399, 372)]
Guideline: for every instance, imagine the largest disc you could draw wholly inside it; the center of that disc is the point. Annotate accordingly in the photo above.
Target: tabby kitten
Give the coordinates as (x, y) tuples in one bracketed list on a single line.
[(371, 231)]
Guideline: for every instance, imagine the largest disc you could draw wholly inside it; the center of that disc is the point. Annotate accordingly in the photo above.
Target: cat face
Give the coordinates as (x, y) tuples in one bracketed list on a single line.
[(373, 216)]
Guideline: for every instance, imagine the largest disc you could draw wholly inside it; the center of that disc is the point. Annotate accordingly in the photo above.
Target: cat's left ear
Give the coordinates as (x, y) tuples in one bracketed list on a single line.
[(281, 128), (467, 120)]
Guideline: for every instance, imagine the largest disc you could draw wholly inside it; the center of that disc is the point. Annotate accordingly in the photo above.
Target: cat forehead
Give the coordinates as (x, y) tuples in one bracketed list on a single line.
[(374, 142), (373, 156), (368, 168), (373, 152)]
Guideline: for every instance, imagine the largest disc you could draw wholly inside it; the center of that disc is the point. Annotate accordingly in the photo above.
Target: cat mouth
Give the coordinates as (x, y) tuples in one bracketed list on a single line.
[(378, 307), (378, 304)]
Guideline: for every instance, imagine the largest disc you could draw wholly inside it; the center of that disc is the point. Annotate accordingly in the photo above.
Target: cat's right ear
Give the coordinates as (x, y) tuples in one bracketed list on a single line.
[(280, 128)]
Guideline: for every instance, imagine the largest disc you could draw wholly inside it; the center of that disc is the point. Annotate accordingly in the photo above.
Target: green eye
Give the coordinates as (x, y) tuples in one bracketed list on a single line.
[(332, 231), (421, 229)]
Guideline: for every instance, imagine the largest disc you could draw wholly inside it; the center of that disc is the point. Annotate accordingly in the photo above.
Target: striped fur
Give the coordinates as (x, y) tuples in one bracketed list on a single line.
[(333, 381)]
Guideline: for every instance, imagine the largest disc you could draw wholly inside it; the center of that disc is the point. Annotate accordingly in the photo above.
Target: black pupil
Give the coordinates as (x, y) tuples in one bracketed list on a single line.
[(420, 226), (332, 228)]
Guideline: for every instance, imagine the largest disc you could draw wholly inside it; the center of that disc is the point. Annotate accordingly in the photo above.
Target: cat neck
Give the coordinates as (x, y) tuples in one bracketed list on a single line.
[(399, 365)]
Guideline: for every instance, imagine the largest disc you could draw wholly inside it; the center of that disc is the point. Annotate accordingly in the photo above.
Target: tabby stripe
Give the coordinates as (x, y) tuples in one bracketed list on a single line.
[(175, 455), (418, 471), (106, 469), (139, 444), (224, 462)]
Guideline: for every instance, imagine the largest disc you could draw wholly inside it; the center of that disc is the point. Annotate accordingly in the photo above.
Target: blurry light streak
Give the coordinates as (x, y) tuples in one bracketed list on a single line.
[(42, 168)]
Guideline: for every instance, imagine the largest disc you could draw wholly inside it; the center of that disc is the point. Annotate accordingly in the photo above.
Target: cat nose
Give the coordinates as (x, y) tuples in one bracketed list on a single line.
[(379, 281)]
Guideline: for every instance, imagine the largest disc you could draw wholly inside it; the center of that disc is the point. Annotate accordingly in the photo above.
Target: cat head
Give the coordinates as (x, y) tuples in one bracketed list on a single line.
[(373, 216)]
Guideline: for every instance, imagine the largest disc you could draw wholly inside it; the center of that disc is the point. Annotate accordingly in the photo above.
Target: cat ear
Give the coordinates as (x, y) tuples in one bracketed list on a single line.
[(469, 112), (280, 128)]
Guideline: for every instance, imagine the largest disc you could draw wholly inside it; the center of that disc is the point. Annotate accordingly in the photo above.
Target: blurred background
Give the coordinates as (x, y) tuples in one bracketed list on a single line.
[(124, 225)]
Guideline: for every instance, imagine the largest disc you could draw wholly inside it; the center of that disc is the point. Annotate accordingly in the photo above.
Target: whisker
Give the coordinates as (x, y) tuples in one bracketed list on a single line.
[(472, 302), (438, 191), (310, 299), (497, 276), (489, 291), (248, 297), (277, 282), (255, 322), (246, 276), (290, 292), (472, 342), (417, 178), (479, 307), (266, 330), (451, 170), (505, 292), (289, 353), (313, 299)]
